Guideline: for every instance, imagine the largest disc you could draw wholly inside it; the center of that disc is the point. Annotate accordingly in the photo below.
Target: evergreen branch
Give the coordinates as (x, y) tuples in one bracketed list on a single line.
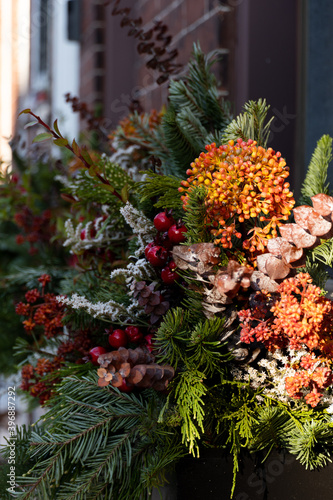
[(164, 187), (317, 272), (313, 444), (195, 218), (95, 437), (205, 349), (189, 393), (170, 339), (271, 427), (316, 178), (182, 147), (250, 124), (323, 253)]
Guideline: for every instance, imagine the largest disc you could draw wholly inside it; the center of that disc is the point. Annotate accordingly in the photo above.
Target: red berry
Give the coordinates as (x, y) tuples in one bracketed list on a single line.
[(125, 386), (95, 353), (148, 247), (149, 341), (172, 265), (176, 234), (83, 234), (165, 241), (93, 232), (163, 221), (168, 275), (134, 334), (157, 256), (118, 339)]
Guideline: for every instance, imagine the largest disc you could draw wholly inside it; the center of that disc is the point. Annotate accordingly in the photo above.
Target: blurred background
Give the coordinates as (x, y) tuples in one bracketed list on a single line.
[(280, 50)]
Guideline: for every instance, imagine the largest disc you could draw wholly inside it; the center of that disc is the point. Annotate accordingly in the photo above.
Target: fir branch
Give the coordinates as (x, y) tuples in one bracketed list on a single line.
[(94, 442), (195, 111), (323, 253), (312, 444), (273, 423), (205, 349), (183, 147), (316, 178), (250, 124), (171, 337)]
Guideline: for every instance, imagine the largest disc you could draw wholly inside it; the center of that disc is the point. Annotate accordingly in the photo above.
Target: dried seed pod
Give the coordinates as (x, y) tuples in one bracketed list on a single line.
[(261, 262), (276, 268), (299, 236), (259, 281), (322, 203), (301, 215), (280, 246), (318, 225)]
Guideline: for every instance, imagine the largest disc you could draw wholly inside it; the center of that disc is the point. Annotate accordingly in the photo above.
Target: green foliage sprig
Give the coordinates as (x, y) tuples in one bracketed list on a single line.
[(316, 178), (94, 444), (251, 124)]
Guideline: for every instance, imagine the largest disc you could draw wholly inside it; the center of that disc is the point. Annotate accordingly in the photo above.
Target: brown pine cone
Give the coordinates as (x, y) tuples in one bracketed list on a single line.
[(135, 366), (150, 300)]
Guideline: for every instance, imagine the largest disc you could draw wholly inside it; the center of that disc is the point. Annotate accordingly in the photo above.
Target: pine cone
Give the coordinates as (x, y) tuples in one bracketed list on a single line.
[(286, 253), (136, 366), (152, 301)]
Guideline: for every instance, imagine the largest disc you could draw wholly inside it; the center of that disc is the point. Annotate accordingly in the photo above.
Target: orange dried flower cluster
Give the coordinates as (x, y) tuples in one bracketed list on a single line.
[(244, 181), (32, 378), (49, 313), (314, 379), (299, 318)]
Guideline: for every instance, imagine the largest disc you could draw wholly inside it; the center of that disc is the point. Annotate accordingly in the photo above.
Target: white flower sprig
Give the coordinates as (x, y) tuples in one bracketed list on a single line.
[(142, 227), (110, 310)]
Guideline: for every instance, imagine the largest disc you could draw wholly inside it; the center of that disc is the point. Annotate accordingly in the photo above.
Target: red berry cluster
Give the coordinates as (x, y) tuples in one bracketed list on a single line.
[(130, 335), (170, 233)]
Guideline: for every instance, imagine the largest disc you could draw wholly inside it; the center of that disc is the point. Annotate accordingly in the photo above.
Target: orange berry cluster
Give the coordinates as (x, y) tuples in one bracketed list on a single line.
[(244, 181), (299, 318)]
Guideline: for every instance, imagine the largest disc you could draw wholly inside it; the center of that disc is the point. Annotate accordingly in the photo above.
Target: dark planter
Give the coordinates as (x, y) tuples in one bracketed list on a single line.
[(281, 477)]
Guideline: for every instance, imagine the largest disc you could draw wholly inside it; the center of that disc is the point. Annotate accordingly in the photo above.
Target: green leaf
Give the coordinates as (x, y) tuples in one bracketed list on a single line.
[(76, 148), (45, 136), (124, 193), (60, 142), (30, 124), (24, 112), (107, 187), (56, 128), (85, 155)]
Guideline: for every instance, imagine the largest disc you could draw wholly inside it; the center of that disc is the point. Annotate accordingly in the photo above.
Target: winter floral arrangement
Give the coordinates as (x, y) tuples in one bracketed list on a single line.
[(193, 312)]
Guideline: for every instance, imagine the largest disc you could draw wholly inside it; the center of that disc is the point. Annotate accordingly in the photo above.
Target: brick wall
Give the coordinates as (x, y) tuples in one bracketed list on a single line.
[(205, 21), (125, 74), (92, 71)]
